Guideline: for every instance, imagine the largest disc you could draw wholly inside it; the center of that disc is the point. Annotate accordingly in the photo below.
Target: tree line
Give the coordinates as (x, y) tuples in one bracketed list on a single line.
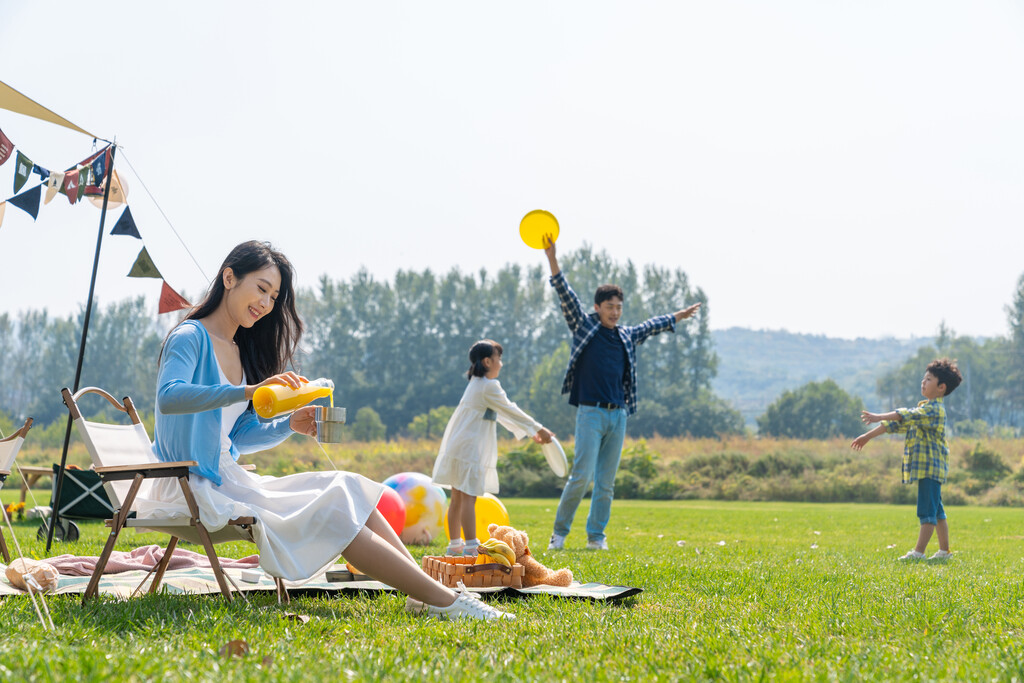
[(397, 349), (397, 352)]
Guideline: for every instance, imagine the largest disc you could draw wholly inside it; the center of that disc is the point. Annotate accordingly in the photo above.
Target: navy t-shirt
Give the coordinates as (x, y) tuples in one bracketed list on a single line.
[(601, 370)]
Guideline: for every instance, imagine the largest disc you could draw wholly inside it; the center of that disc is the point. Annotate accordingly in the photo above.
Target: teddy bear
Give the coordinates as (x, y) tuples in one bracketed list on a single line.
[(534, 572)]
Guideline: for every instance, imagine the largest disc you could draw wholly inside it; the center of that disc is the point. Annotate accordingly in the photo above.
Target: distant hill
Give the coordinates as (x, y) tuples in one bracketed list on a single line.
[(755, 366)]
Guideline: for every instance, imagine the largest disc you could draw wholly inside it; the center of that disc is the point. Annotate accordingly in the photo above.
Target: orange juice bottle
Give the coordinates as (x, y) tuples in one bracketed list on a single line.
[(275, 399)]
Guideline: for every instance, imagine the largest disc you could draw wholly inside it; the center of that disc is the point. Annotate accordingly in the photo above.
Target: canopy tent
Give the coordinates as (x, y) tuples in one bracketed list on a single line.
[(13, 100)]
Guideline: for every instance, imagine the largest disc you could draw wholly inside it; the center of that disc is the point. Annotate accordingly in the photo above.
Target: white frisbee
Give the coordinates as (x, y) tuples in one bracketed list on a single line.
[(555, 456)]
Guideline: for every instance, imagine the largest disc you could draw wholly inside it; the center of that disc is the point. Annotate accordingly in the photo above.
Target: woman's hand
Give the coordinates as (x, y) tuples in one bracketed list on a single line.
[(289, 379), (303, 421), (543, 435)]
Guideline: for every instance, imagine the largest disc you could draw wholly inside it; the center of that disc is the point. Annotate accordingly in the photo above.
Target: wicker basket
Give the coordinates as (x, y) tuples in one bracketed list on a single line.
[(451, 570)]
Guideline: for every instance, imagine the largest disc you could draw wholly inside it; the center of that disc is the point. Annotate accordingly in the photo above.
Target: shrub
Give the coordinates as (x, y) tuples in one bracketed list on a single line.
[(524, 472), (1004, 494), (985, 465), (640, 460), (368, 425), (628, 485), (774, 464), (716, 465)]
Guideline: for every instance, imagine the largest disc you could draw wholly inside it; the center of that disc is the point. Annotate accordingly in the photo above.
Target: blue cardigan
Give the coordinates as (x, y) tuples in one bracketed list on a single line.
[(189, 396)]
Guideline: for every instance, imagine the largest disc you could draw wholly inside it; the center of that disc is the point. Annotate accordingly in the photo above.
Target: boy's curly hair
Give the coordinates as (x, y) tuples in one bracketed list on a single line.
[(946, 371)]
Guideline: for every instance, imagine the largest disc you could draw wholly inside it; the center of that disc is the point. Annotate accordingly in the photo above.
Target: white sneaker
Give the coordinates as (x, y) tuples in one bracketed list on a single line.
[(941, 555), (912, 555), (557, 542), (597, 545), (467, 605)]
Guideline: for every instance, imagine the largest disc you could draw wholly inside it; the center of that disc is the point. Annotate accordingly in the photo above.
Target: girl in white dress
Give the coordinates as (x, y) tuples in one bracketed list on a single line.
[(468, 458), (241, 337)]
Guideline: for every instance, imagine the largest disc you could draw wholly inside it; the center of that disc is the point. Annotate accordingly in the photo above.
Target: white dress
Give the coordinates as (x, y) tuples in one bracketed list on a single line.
[(468, 458), (305, 520)]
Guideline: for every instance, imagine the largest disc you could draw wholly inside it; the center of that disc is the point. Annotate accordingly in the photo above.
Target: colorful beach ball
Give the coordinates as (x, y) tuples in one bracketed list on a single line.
[(425, 505)]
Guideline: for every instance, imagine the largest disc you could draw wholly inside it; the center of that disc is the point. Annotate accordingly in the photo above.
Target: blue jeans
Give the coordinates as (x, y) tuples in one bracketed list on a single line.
[(599, 436), (929, 501)]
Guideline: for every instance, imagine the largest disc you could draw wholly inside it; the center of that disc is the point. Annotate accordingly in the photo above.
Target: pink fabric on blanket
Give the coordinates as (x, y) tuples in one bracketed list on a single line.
[(144, 558)]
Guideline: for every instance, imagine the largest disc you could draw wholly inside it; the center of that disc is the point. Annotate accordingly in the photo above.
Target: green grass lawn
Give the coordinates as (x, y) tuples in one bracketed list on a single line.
[(758, 590)]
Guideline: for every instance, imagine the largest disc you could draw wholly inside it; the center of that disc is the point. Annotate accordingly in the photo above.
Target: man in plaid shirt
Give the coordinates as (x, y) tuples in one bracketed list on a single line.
[(601, 382), (925, 451)]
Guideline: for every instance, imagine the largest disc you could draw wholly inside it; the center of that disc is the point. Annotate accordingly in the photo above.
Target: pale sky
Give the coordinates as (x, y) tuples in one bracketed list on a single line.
[(839, 168)]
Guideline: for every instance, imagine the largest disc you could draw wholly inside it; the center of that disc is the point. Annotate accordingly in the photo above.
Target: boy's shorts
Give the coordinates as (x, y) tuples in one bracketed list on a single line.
[(929, 501)]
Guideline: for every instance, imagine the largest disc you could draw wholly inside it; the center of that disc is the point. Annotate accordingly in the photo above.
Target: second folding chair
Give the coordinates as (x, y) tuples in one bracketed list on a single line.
[(9, 447)]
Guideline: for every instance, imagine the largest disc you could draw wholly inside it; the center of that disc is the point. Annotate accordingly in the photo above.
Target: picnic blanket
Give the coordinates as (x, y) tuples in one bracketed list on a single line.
[(142, 559), (200, 580)]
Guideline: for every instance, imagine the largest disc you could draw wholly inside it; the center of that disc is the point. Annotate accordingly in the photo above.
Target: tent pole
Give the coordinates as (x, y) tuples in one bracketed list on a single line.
[(55, 514)]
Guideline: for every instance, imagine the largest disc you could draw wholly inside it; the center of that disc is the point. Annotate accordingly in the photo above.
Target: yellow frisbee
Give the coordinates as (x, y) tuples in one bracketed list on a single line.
[(535, 225)]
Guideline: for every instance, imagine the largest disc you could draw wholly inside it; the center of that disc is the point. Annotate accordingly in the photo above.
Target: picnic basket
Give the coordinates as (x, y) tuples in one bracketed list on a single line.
[(451, 570)]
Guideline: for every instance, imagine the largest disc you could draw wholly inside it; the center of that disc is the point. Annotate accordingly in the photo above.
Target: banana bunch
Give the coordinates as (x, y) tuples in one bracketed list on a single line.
[(493, 550)]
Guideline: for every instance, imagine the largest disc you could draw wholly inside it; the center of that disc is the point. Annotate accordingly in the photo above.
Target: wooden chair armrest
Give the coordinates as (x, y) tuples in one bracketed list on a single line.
[(30, 469), (156, 470), (249, 468)]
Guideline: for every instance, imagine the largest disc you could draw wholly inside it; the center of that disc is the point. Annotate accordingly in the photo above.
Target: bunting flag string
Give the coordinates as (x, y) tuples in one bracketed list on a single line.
[(88, 178), (170, 300)]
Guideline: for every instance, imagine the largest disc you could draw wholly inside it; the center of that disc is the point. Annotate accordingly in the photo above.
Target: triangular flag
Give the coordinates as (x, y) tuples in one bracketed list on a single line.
[(28, 201), (71, 185), (22, 170), (118, 193), (144, 266), (83, 180), (170, 300), (53, 185), (3, 207), (99, 167), (6, 147), (42, 172), (126, 225)]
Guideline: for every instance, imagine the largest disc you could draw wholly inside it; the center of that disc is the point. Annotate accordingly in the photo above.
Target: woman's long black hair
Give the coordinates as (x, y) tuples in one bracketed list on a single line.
[(268, 346)]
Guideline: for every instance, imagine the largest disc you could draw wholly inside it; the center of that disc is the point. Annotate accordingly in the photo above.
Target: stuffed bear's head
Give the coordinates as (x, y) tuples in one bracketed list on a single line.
[(516, 539)]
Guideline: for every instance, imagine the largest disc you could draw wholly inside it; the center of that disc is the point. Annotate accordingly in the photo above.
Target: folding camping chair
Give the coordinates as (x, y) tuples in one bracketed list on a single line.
[(123, 457), (9, 447)]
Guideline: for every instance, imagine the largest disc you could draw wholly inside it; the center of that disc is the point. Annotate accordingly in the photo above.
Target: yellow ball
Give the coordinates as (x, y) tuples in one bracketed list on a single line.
[(489, 510)]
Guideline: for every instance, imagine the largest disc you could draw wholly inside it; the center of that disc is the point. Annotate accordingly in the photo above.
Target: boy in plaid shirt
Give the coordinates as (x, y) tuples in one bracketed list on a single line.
[(925, 452)]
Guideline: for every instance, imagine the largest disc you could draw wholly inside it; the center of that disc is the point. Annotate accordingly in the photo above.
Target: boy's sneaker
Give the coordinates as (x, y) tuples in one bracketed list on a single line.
[(471, 549), (941, 555), (467, 605), (597, 545), (557, 542), (455, 549), (912, 555)]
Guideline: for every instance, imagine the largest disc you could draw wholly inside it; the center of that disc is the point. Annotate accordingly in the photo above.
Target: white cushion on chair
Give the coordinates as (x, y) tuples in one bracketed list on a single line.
[(111, 445), (8, 451)]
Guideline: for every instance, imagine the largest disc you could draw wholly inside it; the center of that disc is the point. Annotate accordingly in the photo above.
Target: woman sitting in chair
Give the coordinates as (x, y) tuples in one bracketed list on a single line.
[(241, 337)]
